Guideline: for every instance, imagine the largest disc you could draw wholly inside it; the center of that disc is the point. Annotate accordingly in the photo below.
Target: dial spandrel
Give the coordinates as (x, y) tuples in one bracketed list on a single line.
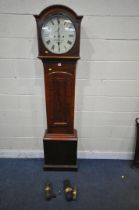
[(58, 34)]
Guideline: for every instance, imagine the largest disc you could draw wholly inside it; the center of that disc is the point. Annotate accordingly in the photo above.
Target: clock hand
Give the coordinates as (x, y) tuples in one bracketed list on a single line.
[(59, 46), (58, 30)]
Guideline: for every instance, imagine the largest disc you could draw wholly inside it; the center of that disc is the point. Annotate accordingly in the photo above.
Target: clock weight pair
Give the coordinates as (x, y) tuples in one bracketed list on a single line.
[(70, 192)]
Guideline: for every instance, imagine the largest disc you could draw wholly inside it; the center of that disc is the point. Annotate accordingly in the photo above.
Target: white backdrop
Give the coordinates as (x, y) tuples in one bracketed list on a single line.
[(107, 86)]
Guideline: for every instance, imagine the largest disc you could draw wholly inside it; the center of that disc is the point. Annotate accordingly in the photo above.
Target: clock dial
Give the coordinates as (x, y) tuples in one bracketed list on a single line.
[(58, 34)]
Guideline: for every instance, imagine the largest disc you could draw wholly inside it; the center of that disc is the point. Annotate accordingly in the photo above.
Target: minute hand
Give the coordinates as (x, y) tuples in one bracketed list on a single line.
[(58, 36)]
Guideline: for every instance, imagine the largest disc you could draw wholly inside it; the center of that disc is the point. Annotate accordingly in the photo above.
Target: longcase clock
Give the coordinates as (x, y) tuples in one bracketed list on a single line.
[(58, 29)]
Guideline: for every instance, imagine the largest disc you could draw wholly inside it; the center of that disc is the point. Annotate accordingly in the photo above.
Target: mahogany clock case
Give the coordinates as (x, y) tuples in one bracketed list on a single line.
[(60, 138)]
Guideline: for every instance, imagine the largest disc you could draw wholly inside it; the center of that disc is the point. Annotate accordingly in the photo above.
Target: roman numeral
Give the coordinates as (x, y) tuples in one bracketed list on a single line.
[(52, 22), (71, 35), (58, 20), (53, 47), (69, 42), (48, 42)]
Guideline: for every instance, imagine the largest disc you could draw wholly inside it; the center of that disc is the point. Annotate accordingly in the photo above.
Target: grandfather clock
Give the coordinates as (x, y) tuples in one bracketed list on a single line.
[(58, 29)]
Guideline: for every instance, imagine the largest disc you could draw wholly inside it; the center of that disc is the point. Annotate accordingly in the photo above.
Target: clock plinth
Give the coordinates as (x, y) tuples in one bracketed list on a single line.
[(60, 151), (58, 29)]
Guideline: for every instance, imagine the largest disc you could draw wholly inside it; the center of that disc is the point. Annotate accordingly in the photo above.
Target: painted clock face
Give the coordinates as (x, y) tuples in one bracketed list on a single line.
[(58, 34)]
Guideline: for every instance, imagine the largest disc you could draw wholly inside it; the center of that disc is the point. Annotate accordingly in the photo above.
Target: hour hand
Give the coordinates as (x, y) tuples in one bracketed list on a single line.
[(58, 46), (58, 30)]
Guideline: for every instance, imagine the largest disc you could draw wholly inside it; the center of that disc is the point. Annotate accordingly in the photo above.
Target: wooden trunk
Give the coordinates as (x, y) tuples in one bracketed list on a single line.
[(60, 139)]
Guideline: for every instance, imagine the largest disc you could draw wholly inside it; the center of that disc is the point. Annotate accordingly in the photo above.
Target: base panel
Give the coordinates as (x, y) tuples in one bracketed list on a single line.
[(60, 167), (60, 151)]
